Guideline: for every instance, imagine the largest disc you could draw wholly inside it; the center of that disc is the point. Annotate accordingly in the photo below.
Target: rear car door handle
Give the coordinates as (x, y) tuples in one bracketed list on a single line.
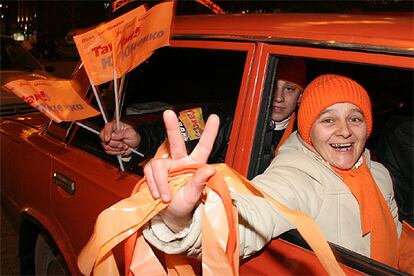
[(65, 183)]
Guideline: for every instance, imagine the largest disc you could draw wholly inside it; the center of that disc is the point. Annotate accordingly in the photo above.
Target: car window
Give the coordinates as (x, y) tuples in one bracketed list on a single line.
[(390, 90), (14, 57), (178, 79), (391, 93)]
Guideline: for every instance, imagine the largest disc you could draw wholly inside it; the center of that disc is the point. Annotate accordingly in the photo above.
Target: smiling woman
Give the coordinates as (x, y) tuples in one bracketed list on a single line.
[(338, 134), (336, 119), (321, 170)]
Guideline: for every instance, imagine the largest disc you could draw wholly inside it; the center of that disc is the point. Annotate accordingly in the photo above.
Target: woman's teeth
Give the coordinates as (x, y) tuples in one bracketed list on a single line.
[(341, 147)]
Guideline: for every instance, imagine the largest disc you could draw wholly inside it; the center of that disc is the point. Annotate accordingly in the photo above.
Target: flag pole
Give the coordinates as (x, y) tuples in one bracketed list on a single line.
[(117, 114), (121, 165), (121, 94), (116, 96)]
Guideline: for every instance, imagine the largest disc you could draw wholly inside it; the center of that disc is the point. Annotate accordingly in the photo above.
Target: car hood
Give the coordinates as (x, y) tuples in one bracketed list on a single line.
[(14, 123)]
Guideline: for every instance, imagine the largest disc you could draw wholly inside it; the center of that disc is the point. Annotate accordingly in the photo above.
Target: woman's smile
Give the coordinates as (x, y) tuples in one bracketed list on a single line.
[(339, 134)]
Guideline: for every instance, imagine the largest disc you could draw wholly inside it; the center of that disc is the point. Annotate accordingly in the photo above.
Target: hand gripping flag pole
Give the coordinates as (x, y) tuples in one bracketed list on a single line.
[(121, 165), (97, 133), (118, 46)]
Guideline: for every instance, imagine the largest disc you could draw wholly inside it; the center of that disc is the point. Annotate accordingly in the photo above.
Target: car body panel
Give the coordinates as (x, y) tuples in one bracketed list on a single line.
[(81, 207), (17, 140), (69, 218), (375, 31), (283, 257)]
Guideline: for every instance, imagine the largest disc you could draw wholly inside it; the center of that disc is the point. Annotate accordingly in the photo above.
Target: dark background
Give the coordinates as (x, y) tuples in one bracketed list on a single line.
[(56, 20)]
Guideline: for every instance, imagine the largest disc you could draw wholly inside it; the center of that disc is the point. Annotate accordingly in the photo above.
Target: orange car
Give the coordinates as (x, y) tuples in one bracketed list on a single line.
[(56, 178)]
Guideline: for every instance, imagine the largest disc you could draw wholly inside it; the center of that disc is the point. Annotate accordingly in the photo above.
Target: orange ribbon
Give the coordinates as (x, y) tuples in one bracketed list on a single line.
[(127, 216)]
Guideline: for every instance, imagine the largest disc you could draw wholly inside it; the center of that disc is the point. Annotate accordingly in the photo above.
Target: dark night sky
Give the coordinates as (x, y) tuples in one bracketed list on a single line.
[(56, 18)]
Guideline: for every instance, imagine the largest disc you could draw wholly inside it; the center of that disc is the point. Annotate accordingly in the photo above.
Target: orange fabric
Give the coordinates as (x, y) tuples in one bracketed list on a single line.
[(325, 91), (375, 215), (219, 239), (287, 133), (124, 42), (218, 184), (58, 99), (144, 261), (406, 249), (122, 219), (127, 216), (129, 247), (217, 254), (177, 265), (306, 226)]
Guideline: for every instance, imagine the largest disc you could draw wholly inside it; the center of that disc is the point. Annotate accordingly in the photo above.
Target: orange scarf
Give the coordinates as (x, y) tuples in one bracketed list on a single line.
[(287, 133), (375, 215)]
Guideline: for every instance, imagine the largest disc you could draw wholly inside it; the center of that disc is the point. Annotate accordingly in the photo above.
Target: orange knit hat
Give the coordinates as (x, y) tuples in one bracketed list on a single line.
[(292, 70), (325, 91)]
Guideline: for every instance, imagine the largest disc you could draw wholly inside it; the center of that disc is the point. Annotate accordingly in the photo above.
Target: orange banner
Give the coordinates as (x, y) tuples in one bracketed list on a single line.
[(125, 42), (57, 99)]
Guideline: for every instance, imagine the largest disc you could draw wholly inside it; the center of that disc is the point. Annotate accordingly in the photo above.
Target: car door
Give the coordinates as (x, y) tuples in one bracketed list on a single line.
[(388, 80), (86, 180)]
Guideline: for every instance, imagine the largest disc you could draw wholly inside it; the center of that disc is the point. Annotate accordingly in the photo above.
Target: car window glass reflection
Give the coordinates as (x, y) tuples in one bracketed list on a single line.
[(13, 57)]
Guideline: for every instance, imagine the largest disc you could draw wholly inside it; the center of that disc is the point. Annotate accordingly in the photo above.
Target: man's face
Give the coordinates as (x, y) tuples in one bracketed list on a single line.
[(285, 98), (339, 135)]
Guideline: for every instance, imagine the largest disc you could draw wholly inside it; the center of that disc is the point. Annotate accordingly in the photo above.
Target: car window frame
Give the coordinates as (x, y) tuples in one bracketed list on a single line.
[(248, 74), (246, 47), (27, 55)]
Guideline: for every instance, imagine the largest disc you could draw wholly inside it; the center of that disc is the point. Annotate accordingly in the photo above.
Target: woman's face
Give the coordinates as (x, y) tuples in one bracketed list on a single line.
[(339, 135)]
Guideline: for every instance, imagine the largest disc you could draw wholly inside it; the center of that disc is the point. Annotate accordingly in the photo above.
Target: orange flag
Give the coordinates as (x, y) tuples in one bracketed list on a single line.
[(57, 99), (125, 42)]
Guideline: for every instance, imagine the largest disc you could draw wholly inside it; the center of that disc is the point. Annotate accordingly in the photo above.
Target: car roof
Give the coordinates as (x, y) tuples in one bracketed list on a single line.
[(383, 32)]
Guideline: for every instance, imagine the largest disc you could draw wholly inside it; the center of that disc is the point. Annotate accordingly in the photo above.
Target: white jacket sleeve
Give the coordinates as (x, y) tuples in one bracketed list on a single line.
[(259, 221)]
